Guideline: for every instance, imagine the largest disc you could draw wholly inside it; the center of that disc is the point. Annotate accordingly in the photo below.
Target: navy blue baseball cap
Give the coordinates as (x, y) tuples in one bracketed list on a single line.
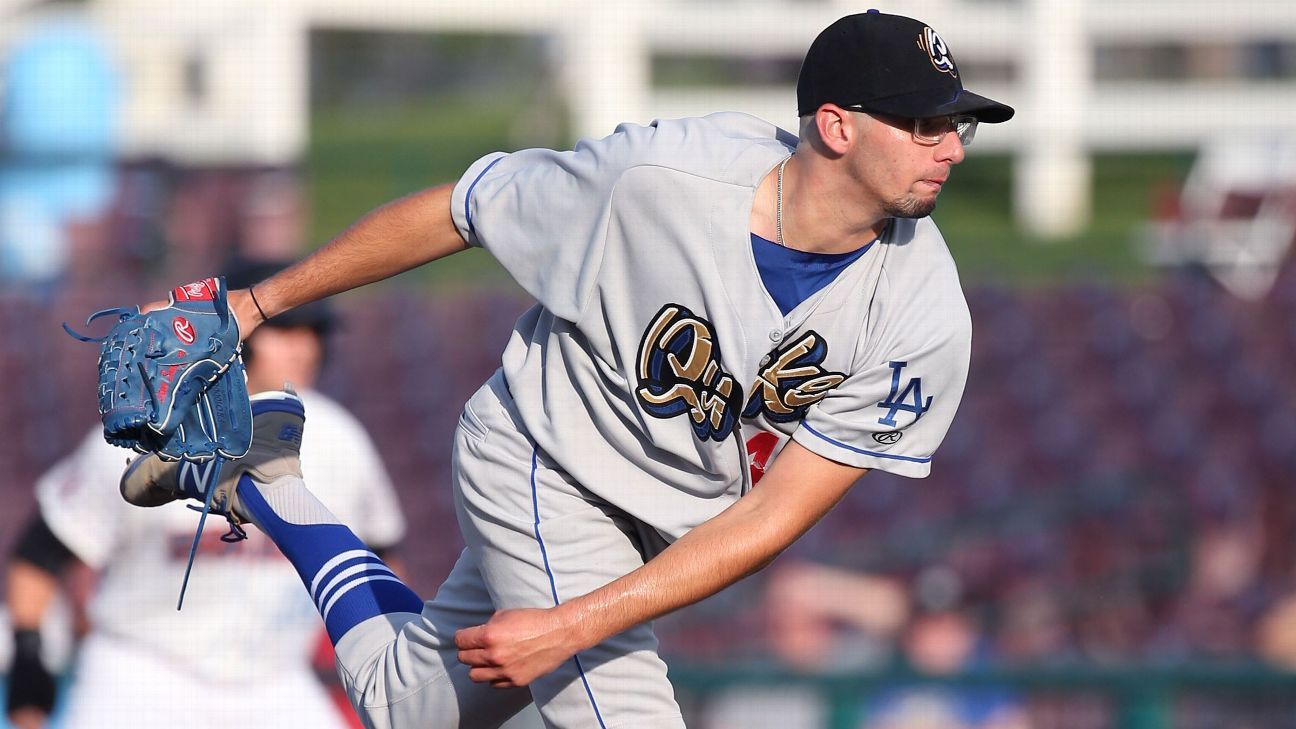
[(888, 64)]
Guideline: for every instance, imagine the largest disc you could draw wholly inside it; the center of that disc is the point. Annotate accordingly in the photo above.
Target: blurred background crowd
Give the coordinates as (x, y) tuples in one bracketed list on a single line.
[(1106, 538)]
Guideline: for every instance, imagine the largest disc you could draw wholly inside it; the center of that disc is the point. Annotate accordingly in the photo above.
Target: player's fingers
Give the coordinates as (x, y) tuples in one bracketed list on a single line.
[(503, 683), (475, 657), (490, 675), (154, 305), (474, 637)]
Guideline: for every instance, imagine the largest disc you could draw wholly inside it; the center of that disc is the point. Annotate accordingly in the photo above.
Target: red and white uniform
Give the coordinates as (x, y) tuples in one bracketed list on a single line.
[(240, 651)]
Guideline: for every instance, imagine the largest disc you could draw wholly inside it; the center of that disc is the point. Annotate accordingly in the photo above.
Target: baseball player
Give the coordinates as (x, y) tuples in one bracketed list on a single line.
[(718, 301), (239, 654)]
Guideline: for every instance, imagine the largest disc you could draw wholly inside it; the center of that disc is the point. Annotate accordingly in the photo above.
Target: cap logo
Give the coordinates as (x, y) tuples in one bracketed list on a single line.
[(937, 52)]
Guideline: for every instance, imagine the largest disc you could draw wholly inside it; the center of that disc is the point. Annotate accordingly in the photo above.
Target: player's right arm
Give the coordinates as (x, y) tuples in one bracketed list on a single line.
[(515, 647)]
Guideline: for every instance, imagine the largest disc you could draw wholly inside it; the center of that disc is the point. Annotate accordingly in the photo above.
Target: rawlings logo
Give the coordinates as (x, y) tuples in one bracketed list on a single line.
[(204, 290), (937, 52), (183, 329)]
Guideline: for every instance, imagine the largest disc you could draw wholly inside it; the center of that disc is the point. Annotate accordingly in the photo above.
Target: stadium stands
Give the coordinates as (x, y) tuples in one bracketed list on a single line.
[(1116, 452)]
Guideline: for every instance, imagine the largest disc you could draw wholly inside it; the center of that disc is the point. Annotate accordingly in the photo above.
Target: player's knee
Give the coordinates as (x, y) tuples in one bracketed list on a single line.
[(372, 662)]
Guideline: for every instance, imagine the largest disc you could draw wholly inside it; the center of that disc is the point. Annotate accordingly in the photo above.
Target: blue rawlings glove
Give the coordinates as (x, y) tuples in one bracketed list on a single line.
[(171, 381), (219, 423)]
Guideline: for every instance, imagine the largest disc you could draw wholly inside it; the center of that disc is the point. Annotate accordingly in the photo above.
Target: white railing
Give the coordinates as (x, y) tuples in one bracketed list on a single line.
[(256, 58)]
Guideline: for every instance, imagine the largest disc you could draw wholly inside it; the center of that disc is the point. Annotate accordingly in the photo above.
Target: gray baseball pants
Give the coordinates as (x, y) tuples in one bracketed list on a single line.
[(535, 538)]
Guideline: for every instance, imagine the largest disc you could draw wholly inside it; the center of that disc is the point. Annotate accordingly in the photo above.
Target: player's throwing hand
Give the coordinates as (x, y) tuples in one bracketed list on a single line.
[(515, 647)]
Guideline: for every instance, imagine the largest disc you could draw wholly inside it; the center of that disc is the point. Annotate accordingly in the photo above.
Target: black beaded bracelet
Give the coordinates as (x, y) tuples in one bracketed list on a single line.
[(257, 304)]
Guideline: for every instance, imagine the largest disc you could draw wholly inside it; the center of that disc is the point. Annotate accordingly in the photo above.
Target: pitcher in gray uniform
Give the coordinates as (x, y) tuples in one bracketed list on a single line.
[(718, 302)]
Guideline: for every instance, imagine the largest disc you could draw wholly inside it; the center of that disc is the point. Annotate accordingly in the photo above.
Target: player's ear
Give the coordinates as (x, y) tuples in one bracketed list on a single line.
[(835, 127)]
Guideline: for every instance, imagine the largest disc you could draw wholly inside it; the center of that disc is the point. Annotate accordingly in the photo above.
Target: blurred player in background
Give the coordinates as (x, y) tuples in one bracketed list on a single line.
[(239, 654)]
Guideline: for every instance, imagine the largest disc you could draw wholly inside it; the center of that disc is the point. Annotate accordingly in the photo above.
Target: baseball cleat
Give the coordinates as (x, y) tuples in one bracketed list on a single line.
[(278, 419)]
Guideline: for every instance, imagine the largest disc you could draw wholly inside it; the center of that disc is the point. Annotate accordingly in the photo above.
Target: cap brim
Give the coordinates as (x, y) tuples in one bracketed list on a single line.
[(922, 104), (985, 110)]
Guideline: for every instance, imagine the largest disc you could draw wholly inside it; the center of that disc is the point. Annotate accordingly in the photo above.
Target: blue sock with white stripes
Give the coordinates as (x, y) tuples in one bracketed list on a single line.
[(348, 583)]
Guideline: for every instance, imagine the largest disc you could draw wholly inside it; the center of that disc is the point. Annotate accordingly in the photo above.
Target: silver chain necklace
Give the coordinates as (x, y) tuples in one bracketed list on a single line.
[(778, 206)]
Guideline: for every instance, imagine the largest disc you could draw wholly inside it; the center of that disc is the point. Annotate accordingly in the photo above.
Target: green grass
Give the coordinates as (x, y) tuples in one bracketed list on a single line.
[(361, 159), (975, 216)]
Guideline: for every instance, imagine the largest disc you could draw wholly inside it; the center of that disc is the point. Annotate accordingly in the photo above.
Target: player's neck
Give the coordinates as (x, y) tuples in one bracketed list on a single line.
[(816, 215), (764, 215)]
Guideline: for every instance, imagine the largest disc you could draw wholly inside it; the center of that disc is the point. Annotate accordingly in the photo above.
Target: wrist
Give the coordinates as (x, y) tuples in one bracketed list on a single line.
[(246, 310), (579, 623), (26, 642), (31, 686)]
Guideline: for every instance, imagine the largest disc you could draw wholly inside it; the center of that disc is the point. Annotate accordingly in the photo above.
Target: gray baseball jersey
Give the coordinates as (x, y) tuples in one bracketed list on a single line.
[(656, 367)]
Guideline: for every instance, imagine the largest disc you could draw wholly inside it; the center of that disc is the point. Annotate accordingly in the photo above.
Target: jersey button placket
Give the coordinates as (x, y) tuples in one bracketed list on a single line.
[(775, 335)]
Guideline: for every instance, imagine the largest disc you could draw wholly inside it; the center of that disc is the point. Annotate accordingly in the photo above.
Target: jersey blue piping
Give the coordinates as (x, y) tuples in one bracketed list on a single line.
[(875, 454), (468, 196), (553, 587)]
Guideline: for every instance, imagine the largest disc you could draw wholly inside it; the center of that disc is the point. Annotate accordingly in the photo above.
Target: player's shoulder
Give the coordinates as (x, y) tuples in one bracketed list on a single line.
[(323, 412), (92, 453), (725, 146), (919, 273), (916, 252), (93, 464), (725, 125), (333, 433)]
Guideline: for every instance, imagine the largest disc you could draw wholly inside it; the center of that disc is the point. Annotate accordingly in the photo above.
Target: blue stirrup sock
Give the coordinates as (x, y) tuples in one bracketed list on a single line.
[(348, 583)]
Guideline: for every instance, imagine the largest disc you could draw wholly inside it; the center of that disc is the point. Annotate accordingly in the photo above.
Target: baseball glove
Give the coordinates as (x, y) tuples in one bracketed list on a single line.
[(171, 380)]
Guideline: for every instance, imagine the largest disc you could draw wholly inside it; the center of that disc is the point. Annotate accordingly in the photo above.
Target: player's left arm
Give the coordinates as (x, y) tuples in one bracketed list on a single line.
[(39, 562), (396, 237), (517, 646)]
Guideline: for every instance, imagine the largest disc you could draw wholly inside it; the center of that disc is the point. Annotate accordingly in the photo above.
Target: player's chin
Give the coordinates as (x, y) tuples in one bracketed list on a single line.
[(912, 206)]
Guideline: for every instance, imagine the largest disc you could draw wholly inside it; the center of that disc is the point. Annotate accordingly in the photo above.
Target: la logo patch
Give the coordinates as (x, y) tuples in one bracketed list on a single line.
[(937, 52), (909, 399)]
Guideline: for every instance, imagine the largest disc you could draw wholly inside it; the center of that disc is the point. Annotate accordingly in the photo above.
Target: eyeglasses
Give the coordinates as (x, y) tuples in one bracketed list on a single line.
[(931, 129)]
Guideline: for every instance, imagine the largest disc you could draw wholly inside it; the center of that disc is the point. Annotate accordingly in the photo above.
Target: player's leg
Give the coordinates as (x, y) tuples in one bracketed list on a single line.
[(389, 645), (367, 610), (540, 539), (410, 675), (403, 680)]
